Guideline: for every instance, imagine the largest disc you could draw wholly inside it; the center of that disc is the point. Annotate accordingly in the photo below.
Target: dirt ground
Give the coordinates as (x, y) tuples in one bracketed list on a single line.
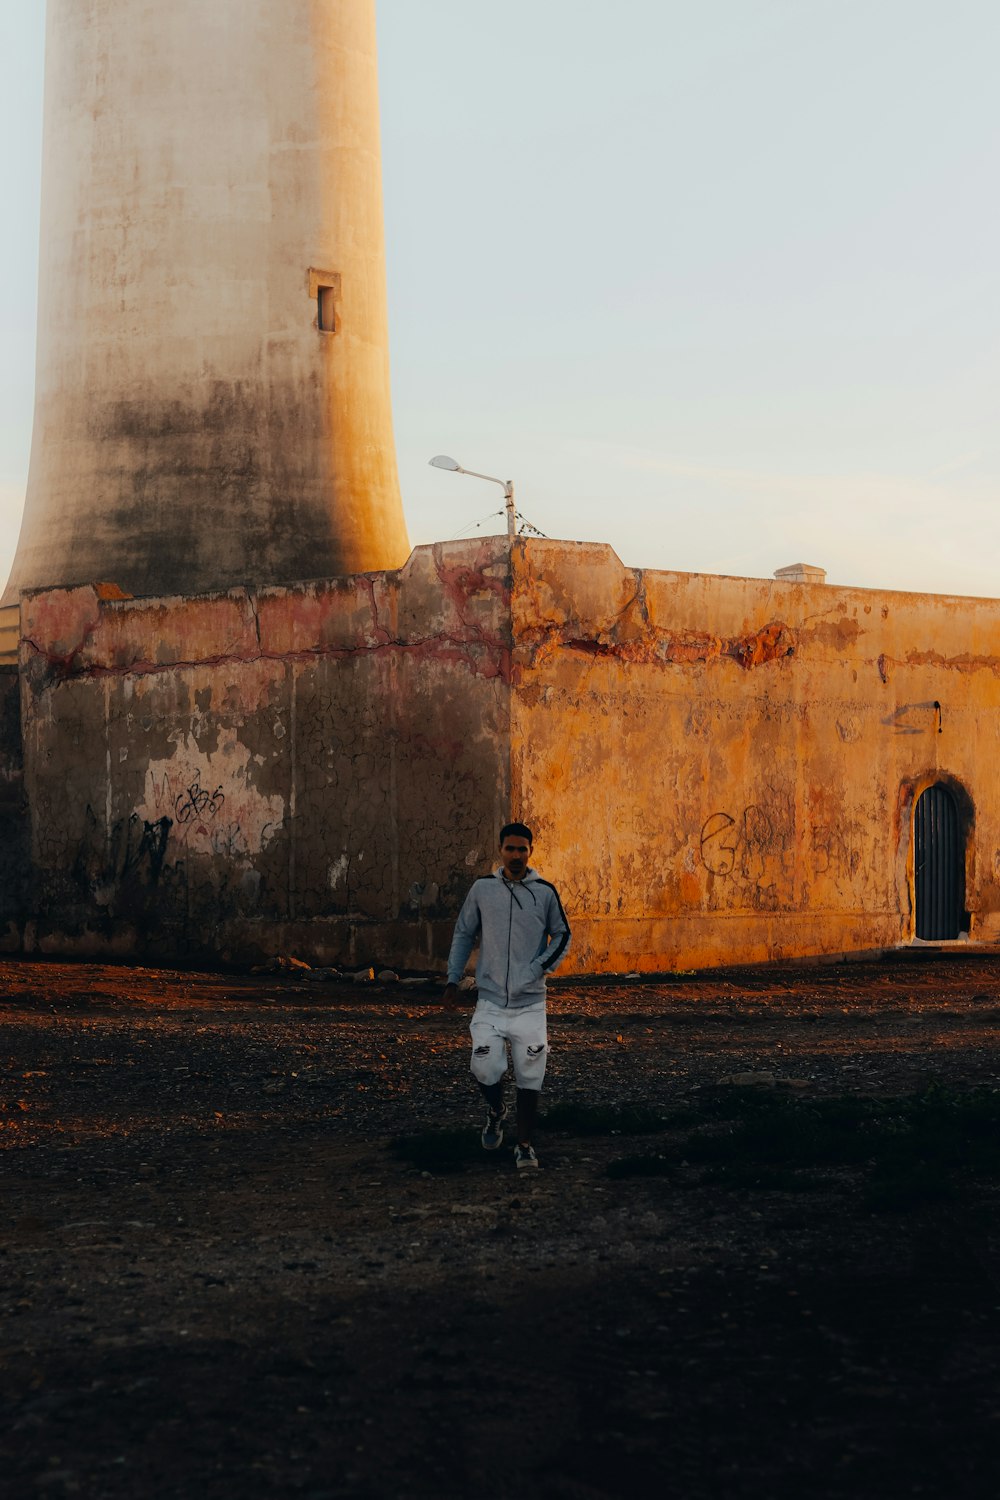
[(219, 1279)]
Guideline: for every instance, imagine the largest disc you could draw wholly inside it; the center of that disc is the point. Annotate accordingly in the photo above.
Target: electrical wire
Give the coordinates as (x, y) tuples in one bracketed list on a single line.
[(474, 525)]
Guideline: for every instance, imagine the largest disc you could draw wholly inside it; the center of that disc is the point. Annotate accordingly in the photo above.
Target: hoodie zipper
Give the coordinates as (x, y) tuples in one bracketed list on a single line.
[(510, 927)]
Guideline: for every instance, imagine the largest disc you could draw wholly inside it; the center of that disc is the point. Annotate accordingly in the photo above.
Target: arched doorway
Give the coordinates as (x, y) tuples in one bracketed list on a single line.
[(938, 865)]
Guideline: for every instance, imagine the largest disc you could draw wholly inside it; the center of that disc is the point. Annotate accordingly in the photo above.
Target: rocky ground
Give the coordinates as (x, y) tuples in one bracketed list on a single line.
[(249, 1246)]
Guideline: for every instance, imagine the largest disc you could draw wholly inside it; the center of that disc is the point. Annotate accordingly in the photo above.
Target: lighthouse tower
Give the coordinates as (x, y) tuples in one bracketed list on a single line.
[(212, 403)]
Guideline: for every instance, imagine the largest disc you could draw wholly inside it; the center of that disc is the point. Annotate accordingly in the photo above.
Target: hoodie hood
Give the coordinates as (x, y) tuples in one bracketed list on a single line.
[(530, 874)]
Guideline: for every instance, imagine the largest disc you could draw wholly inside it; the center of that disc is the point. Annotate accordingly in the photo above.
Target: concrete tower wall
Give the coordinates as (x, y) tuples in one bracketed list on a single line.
[(208, 170)]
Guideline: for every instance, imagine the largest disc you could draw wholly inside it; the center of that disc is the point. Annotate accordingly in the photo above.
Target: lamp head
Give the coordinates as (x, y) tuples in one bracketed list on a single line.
[(442, 461)]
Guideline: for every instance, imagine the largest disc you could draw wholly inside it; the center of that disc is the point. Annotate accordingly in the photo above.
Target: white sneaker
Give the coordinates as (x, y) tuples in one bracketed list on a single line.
[(524, 1156), (493, 1129)]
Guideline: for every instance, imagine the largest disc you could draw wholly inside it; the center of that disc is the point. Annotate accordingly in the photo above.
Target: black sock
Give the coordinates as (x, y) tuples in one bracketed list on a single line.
[(493, 1094)]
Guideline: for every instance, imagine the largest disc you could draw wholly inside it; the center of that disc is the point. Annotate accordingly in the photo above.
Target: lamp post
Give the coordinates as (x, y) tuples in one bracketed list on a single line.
[(442, 461)]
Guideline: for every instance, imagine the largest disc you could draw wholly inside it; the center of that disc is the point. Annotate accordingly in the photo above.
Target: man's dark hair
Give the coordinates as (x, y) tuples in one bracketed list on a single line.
[(518, 830)]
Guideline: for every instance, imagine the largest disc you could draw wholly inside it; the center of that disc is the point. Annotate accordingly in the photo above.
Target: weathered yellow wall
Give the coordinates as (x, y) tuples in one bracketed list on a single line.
[(717, 769), (724, 769), (315, 770)]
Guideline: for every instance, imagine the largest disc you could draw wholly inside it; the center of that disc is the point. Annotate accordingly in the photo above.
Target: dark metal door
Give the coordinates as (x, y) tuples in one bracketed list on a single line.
[(938, 865)]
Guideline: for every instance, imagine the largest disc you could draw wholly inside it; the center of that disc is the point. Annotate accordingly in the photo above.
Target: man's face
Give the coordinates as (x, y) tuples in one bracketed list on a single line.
[(514, 855)]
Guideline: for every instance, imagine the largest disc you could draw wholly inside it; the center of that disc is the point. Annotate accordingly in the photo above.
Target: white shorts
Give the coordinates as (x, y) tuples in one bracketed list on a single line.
[(493, 1027)]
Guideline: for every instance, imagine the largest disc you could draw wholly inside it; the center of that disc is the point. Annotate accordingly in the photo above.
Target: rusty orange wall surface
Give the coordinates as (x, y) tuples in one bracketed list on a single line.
[(723, 769), (316, 769), (717, 769)]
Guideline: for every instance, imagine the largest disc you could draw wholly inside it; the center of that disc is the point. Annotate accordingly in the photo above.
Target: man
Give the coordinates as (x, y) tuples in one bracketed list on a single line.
[(523, 933)]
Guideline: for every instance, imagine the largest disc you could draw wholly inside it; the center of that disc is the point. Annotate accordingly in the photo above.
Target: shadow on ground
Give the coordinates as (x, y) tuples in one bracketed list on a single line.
[(249, 1245)]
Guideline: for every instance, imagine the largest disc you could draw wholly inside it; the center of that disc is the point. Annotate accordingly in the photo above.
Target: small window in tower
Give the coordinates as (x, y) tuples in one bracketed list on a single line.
[(324, 289), (327, 310)]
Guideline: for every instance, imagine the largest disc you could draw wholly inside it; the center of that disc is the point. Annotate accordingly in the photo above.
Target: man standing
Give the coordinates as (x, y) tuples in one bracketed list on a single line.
[(521, 927)]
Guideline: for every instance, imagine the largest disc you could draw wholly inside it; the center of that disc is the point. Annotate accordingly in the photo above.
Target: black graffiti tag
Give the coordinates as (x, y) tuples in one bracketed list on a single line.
[(729, 848), (718, 853), (134, 842), (195, 802)]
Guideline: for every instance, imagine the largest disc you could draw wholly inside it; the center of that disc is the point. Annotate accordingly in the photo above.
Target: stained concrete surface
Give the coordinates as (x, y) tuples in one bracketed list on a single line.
[(217, 1280), (716, 770), (206, 171)]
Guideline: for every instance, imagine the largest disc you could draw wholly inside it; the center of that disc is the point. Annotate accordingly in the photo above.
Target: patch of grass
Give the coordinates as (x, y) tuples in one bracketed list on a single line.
[(439, 1150), (595, 1119)]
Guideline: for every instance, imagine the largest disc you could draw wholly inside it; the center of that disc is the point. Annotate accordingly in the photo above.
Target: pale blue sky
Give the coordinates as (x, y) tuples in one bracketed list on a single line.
[(715, 283)]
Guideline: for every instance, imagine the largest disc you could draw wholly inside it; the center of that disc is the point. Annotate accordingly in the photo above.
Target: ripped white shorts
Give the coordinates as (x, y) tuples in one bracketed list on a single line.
[(493, 1028)]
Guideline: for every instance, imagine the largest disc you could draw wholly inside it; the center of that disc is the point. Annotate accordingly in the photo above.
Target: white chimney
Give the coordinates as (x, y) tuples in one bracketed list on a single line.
[(800, 573)]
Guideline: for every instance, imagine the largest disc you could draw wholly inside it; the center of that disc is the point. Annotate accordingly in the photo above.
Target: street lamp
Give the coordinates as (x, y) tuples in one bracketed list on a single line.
[(442, 461)]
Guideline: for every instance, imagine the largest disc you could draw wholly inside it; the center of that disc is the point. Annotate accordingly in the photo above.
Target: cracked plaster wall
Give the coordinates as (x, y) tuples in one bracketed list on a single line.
[(716, 769), (314, 769), (724, 769)]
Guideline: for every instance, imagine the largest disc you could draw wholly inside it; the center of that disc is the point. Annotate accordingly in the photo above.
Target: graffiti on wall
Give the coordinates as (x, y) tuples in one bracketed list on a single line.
[(844, 852), (131, 851), (136, 845), (195, 802), (748, 851), (755, 853), (195, 824), (213, 804), (734, 845)]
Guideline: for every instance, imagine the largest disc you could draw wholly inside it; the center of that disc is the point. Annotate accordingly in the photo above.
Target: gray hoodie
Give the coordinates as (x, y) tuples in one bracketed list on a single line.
[(522, 932)]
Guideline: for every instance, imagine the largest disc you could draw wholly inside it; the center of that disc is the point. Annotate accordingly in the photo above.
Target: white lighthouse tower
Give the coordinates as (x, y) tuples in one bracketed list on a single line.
[(212, 403)]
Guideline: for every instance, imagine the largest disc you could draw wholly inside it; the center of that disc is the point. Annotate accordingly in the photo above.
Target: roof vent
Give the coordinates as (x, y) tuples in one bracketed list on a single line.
[(801, 573)]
